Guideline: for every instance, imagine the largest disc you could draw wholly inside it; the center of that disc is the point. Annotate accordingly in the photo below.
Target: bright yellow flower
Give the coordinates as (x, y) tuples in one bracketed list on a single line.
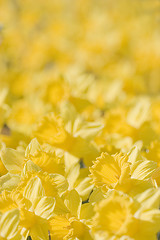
[(34, 208), (118, 215), (47, 181), (51, 130), (48, 161), (56, 91), (109, 170), (123, 173), (62, 227), (115, 216)]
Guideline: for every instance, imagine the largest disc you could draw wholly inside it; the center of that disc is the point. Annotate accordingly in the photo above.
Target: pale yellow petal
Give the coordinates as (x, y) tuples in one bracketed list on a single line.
[(9, 181), (45, 207), (30, 167), (39, 231), (143, 169), (9, 224), (34, 190), (13, 160), (84, 188), (73, 202), (61, 182)]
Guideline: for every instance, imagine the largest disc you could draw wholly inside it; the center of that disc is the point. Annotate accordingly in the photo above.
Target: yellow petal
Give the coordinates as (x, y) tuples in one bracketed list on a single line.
[(34, 190), (149, 199), (60, 207), (45, 207), (13, 160), (73, 202), (40, 230), (73, 175), (143, 169), (139, 113), (84, 188), (9, 181), (9, 224), (61, 182), (30, 167), (96, 196), (87, 211), (60, 228)]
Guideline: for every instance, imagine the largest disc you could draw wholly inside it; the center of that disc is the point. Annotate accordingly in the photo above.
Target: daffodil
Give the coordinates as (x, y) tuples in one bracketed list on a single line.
[(107, 171), (118, 215), (51, 129), (72, 224), (68, 228), (48, 161), (124, 173), (34, 208)]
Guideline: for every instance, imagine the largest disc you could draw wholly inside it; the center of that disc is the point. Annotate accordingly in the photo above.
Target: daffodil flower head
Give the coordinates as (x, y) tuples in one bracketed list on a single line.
[(109, 170)]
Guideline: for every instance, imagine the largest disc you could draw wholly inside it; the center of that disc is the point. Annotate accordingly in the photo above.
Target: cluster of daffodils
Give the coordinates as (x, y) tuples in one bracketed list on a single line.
[(79, 120)]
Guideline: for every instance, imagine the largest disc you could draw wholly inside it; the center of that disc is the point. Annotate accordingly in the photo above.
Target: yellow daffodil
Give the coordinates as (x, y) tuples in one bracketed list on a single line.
[(48, 161), (51, 129), (118, 216), (108, 170)]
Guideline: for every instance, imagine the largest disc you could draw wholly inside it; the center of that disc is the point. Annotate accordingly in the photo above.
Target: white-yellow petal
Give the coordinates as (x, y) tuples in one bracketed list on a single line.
[(34, 190), (45, 207), (9, 224)]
